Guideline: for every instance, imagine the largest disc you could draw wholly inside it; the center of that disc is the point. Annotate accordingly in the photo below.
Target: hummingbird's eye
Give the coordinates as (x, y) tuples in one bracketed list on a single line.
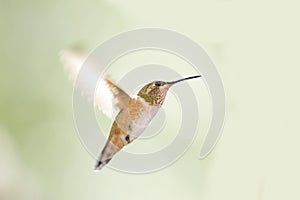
[(158, 83)]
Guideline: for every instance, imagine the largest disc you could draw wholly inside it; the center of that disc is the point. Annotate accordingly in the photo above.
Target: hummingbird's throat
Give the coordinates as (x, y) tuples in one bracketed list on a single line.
[(156, 99), (148, 98)]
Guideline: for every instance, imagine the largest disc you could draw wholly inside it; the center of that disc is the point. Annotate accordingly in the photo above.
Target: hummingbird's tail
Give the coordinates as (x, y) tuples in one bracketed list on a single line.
[(106, 155), (101, 164)]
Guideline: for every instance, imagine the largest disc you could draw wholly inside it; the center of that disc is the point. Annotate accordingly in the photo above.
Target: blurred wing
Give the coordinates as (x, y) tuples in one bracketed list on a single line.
[(72, 61), (108, 98)]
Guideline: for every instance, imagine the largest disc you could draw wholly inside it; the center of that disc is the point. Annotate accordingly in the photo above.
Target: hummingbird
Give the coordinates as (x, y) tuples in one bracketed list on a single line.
[(131, 114)]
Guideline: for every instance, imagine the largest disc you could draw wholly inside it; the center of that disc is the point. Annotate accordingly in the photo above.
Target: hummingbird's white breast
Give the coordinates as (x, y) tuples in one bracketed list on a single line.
[(142, 118)]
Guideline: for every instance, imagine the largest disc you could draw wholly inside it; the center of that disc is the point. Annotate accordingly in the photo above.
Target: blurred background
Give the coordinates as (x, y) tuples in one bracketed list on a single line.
[(254, 44)]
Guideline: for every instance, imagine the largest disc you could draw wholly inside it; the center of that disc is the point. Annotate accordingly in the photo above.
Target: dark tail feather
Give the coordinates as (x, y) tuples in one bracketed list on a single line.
[(101, 164)]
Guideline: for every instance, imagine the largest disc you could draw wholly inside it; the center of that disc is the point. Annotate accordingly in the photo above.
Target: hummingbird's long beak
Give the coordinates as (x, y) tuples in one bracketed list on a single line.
[(183, 79)]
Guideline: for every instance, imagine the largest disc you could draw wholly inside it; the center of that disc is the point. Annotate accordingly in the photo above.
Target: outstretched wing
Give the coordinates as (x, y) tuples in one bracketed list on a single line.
[(108, 97)]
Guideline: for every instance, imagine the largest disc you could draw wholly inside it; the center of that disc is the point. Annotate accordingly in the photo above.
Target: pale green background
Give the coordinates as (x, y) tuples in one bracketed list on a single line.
[(255, 45)]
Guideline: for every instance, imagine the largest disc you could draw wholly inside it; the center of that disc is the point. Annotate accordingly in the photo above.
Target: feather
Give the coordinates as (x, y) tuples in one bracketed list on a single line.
[(108, 97)]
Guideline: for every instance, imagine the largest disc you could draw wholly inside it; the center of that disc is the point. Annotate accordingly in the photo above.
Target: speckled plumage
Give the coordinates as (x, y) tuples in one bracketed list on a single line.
[(132, 120)]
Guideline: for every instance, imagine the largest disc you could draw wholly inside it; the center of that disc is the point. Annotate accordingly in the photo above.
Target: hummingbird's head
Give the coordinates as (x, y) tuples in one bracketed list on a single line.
[(155, 92)]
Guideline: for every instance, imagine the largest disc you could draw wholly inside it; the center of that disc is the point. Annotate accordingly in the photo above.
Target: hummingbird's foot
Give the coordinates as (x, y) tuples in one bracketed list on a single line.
[(101, 164)]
